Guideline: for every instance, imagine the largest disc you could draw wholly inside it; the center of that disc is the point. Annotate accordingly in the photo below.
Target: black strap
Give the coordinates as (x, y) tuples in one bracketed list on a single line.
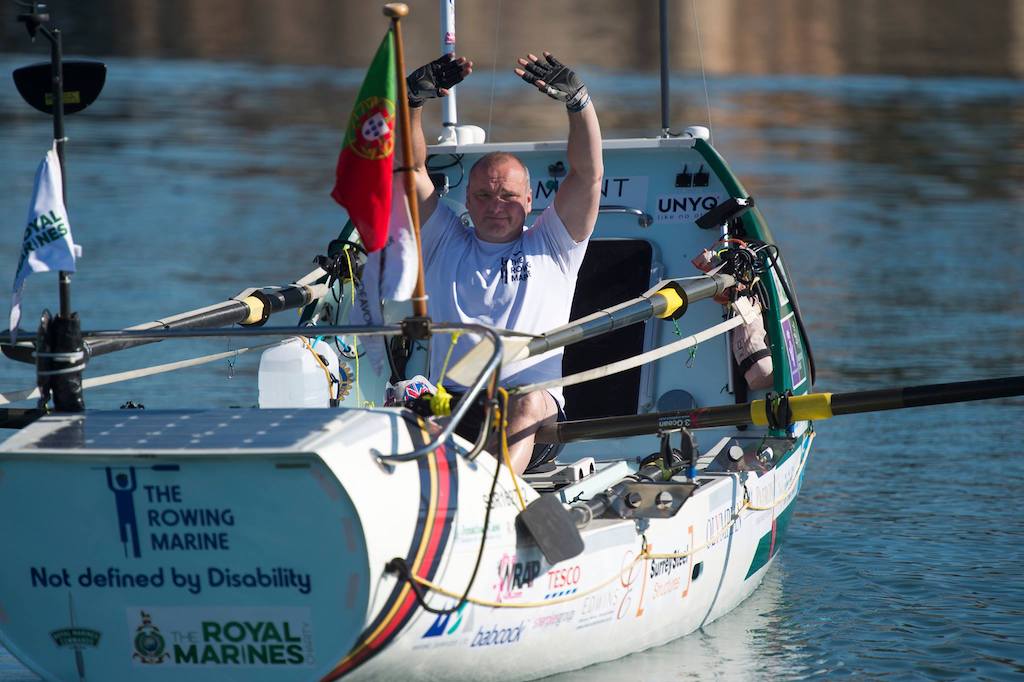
[(754, 358), (778, 411)]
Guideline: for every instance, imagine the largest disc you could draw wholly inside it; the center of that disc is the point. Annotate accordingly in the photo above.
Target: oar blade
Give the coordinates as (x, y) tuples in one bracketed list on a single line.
[(83, 82), (552, 528)]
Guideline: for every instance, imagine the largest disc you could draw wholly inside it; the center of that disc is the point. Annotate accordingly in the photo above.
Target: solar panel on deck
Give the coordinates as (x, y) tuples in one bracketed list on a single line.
[(179, 430)]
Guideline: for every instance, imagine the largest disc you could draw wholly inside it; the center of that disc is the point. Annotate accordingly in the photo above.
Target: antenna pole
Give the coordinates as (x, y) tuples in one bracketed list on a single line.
[(60, 350), (57, 74), (663, 33), (449, 112)]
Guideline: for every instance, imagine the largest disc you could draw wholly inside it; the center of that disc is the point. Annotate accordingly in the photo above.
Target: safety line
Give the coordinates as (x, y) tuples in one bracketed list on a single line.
[(635, 361), (93, 382)]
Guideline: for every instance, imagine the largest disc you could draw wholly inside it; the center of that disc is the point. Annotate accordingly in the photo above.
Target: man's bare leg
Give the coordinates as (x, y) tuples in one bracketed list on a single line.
[(526, 414)]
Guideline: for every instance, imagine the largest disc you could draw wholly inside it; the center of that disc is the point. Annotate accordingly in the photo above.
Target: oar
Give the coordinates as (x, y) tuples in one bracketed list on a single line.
[(668, 300), (251, 307), (813, 406)]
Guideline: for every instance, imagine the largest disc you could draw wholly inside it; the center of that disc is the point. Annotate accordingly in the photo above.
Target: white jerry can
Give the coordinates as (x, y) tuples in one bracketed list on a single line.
[(293, 374)]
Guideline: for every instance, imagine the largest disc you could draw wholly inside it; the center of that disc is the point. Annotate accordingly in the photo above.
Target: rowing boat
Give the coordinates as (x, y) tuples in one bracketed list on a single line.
[(373, 543)]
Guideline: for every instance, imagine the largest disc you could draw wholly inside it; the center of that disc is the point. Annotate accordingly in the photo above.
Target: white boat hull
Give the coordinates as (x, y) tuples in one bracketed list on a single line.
[(272, 562)]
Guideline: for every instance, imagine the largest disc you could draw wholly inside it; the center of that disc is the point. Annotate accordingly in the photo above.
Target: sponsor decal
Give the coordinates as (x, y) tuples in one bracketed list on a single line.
[(495, 636), (563, 581), (149, 645), (513, 575), (446, 623), (597, 608), (123, 485), (664, 573), (111, 577), (75, 637), (553, 620), (172, 525), (222, 637), (448, 629), (156, 519), (793, 352), (615, 191), (631, 570), (469, 534), (661, 568), (683, 207), (680, 422), (502, 498), (717, 523), (661, 588)]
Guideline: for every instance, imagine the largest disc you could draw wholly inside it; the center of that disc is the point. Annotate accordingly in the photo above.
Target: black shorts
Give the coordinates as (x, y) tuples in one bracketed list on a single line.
[(543, 453)]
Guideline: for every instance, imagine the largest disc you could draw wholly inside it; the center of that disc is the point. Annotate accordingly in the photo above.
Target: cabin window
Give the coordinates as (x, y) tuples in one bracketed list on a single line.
[(613, 271)]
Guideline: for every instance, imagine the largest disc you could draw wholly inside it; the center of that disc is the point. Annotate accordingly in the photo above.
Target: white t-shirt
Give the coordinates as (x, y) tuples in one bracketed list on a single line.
[(526, 285)]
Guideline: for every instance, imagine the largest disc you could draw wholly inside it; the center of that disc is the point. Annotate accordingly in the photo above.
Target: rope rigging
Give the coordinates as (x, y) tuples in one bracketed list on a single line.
[(418, 583)]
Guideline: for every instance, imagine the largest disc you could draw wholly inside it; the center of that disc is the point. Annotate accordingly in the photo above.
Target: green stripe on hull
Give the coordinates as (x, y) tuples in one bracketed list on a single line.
[(766, 548)]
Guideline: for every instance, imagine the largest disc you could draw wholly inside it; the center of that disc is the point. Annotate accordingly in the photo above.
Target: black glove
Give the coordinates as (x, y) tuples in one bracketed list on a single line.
[(562, 82), (425, 82)]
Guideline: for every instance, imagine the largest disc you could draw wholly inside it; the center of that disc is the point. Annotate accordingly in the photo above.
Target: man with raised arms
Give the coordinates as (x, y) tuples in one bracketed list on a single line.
[(499, 272)]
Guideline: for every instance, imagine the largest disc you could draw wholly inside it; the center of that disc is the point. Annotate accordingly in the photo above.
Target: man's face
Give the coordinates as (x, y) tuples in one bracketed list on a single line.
[(498, 201)]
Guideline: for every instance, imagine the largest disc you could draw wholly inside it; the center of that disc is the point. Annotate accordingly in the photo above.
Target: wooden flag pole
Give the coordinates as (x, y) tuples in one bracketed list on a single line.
[(395, 11)]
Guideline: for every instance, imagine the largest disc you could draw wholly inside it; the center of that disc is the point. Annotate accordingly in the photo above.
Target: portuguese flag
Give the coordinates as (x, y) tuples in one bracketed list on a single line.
[(363, 178)]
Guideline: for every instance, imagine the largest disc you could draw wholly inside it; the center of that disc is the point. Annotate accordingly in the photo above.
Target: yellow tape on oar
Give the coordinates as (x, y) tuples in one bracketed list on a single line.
[(256, 313), (673, 301), (803, 408)]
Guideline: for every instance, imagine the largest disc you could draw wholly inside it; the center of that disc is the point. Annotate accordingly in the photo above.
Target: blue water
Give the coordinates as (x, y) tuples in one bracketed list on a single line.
[(896, 202)]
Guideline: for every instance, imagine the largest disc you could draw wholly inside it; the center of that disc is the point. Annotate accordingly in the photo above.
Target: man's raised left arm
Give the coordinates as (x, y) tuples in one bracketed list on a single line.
[(579, 194)]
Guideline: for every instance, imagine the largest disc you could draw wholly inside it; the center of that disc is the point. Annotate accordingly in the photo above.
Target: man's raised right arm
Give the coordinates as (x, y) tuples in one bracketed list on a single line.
[(429, 81)]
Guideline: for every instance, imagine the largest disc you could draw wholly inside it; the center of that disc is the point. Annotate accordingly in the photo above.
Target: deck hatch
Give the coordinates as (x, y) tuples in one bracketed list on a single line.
[(614, 270)]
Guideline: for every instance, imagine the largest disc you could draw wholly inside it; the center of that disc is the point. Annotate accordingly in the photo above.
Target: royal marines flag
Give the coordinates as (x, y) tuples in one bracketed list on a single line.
[(47, 244), (363, 176)]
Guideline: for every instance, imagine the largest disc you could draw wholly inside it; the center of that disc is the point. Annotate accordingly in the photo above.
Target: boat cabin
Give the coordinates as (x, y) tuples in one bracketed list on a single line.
[(654, 196)]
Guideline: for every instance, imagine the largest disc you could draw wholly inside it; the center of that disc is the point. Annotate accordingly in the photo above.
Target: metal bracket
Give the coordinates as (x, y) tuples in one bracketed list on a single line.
[(651, 500)]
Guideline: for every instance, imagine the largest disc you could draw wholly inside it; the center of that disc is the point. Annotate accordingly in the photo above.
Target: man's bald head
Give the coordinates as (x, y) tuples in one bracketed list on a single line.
[(491, 159), (499, 197)]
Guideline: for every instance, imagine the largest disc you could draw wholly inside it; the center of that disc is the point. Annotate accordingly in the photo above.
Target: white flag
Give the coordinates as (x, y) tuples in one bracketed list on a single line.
[(388, 274), (47, 244), (399, 264)]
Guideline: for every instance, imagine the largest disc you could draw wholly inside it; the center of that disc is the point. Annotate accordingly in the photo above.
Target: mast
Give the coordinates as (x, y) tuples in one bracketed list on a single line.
[(395, 11), (663, 35)]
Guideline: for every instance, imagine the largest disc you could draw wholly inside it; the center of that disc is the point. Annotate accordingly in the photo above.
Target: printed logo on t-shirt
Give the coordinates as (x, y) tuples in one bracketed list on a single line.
[(515, 268)]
